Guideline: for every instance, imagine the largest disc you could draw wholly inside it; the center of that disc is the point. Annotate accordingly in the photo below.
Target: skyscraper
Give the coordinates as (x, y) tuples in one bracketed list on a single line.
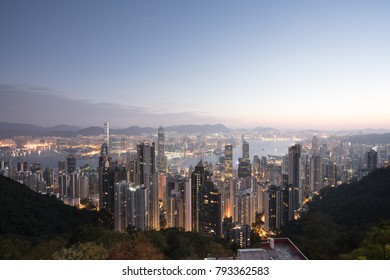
[(161, 158), (198, 178), (103, 181), (106, 133), (206, 203), (210, 222), (294, 179), (71, 163), (229, 161), (314, 145), (147, 177), (245, 149), (175, 202), (244, 163), (256, 170), (121, 218), (137, 206)]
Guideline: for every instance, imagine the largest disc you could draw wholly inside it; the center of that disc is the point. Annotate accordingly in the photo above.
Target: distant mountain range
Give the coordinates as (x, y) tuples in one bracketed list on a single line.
[(8, 130), (265, 130), (17, 129), (370, 139)]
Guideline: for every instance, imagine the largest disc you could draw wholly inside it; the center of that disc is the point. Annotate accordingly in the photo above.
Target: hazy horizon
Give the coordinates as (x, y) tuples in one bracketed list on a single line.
[(283, 129), (286, 65)]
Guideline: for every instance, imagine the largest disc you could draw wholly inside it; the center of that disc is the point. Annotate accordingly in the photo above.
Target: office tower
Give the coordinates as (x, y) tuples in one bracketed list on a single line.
[(244, 164), (228, 161), (161, 158), (206, 203), (146, 175), (106, 134), (294, 179), (243, 168), (71, 164), (372, 160)]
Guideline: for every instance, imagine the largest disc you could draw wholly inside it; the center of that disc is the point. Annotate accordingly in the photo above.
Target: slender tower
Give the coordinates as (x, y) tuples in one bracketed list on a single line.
[(294, 182), (161, 158), (106, 133)]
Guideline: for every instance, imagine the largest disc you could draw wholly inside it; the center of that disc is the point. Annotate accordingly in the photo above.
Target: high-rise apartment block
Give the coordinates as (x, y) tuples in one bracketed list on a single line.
[(205, 203)]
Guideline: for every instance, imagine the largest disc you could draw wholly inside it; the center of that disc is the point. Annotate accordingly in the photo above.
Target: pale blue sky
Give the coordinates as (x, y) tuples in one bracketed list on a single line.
[(286, 64)]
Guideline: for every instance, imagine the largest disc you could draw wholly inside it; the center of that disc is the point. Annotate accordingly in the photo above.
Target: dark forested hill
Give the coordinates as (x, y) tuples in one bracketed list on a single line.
[(360, 204), (25, 212), (340, 218)]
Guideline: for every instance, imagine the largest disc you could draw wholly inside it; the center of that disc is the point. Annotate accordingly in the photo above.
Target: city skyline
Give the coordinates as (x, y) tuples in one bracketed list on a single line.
[(296, 65)]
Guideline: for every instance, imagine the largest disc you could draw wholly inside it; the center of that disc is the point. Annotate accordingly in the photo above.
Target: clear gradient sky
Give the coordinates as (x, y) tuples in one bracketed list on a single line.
[(284, 64)]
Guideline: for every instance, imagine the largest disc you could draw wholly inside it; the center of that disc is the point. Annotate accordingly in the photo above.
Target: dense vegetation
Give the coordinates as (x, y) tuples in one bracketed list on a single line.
[(349, 221), (36, 226)]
